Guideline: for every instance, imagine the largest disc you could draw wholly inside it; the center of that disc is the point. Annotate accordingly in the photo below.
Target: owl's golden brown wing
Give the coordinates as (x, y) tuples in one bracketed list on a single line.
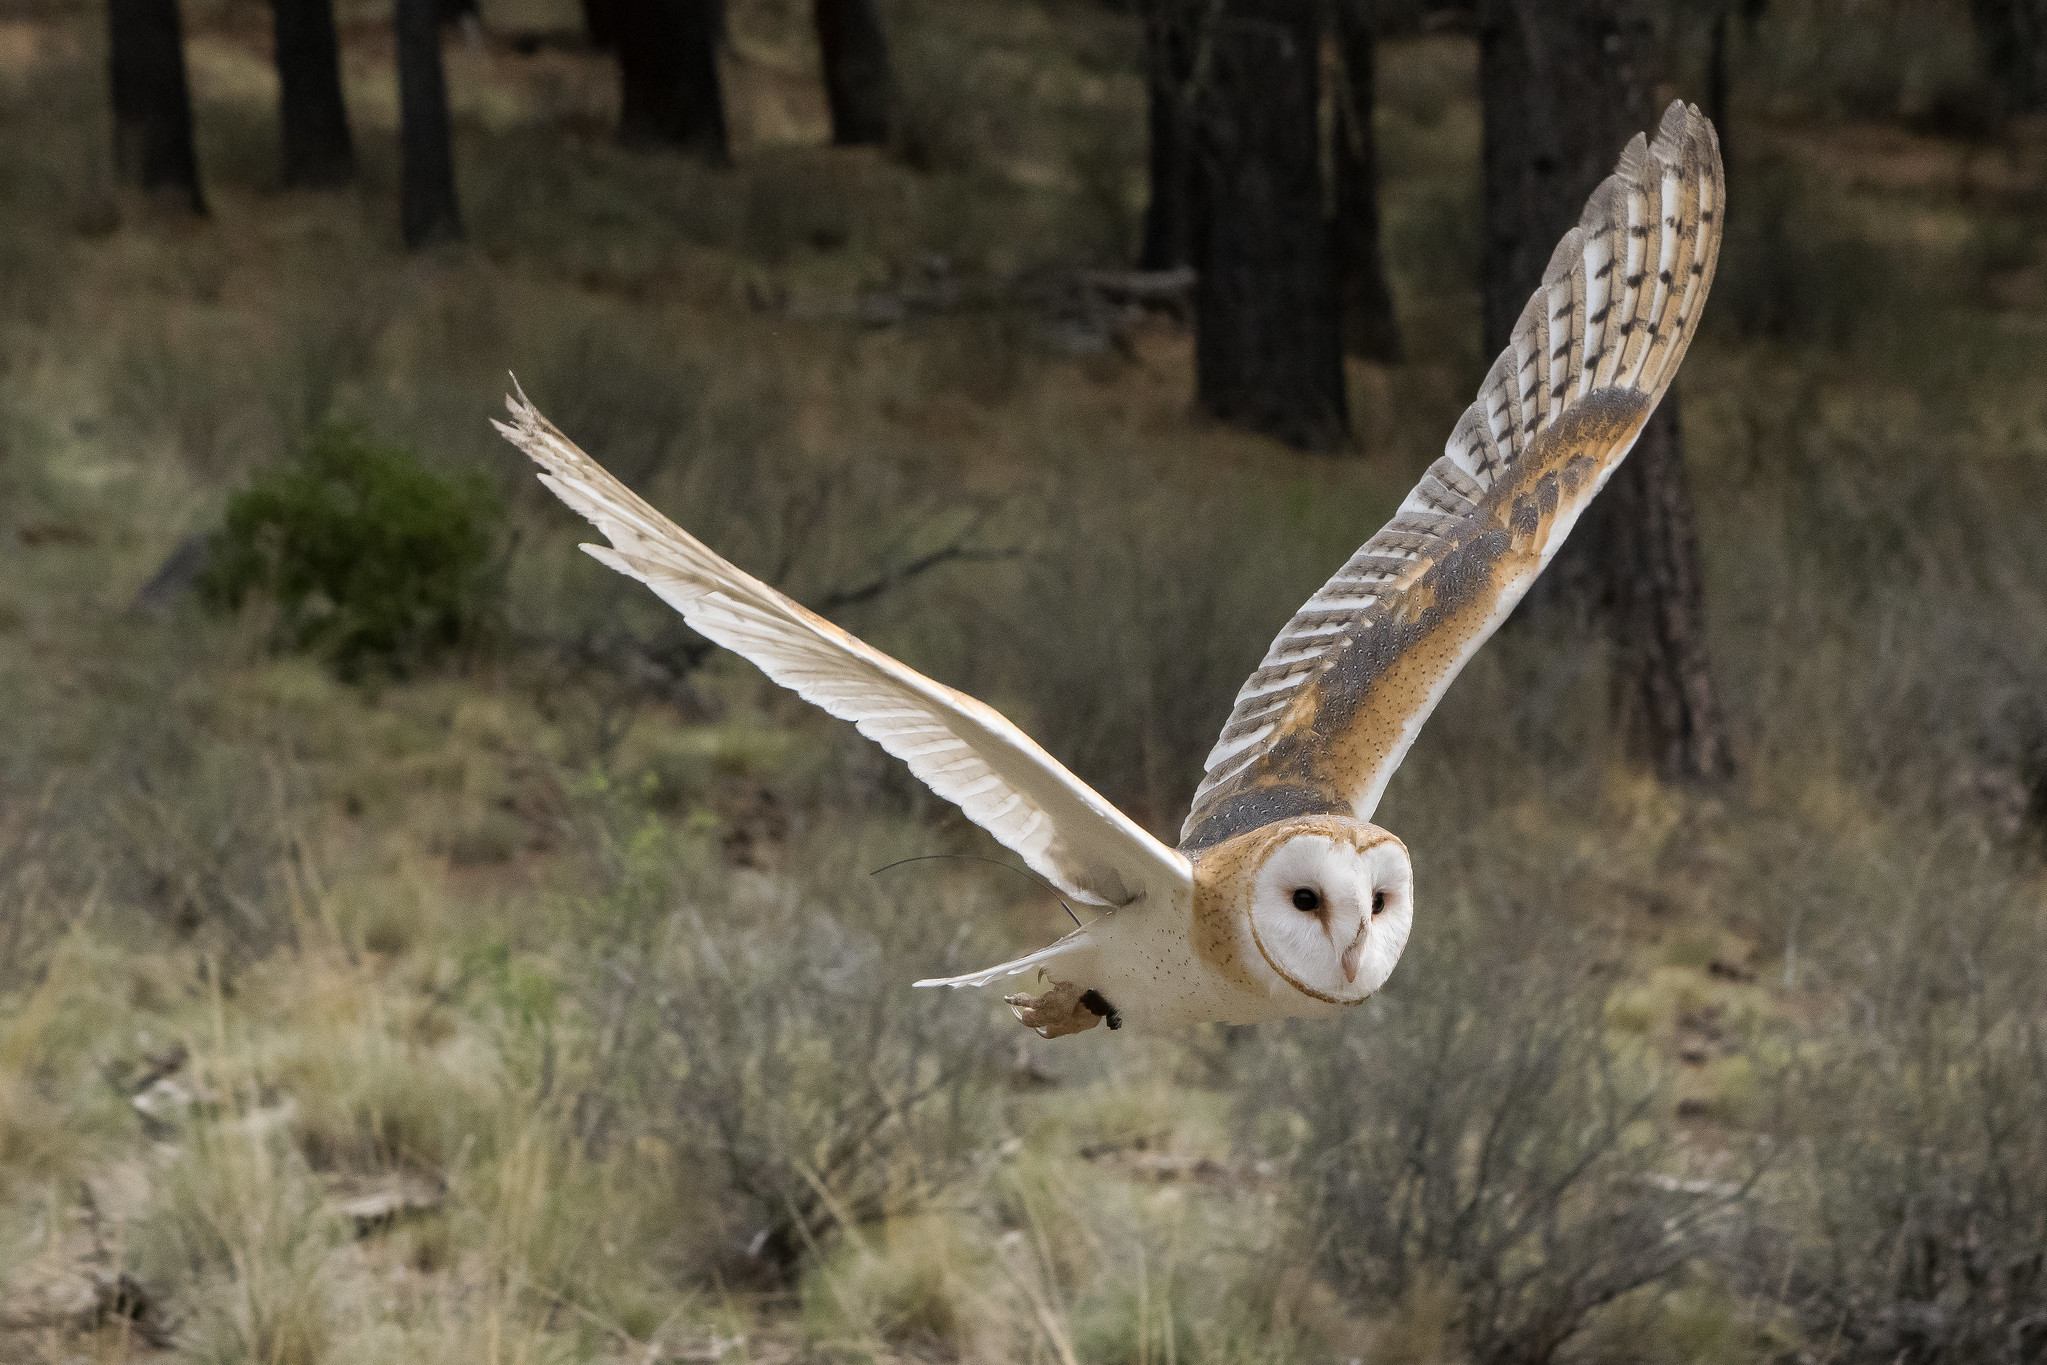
[(1330, 712)]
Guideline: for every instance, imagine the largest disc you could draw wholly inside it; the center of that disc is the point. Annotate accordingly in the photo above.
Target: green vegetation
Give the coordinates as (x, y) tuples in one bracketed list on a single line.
[(367, 558), (537, 1006)]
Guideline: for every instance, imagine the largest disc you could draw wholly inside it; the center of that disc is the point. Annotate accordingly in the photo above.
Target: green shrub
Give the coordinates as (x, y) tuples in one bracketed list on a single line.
[(370, 559)]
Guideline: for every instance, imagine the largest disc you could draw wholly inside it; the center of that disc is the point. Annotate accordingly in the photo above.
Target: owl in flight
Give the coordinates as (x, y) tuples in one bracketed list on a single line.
[(1283, 898)]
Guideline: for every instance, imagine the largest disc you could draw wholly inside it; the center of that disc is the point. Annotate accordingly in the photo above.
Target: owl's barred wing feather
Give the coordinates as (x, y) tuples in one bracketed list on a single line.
[(959, 747), (1330, 712)]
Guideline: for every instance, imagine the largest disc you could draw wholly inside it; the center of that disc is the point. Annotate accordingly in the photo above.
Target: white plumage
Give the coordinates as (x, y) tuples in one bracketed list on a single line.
[(960, 748)]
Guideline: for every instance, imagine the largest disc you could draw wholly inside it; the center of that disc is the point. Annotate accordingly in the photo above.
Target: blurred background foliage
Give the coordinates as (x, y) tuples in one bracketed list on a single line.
[(464, 964)]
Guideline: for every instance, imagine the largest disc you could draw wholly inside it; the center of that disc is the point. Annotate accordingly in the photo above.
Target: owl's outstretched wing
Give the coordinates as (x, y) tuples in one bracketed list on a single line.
[(1331, 710), (961, 748)]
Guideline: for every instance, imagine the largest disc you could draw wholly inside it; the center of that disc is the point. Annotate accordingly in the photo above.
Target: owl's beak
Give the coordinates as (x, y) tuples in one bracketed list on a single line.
[(1354, 955)]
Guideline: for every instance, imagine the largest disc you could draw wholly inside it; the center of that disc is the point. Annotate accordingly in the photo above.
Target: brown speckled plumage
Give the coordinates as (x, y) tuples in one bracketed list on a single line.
[(1329, 713)]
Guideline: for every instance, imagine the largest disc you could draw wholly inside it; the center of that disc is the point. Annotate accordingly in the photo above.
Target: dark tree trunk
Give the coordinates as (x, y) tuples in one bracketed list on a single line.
[(1732, 16), (649, 81), (599, 23), (1370, 329), (2012, 37), (1268, 346), (668, 75), (703, 97), (1720, 80), (153, 145), (317, 150), (427, 210), (1558, 108), (857, 82), (1168, 82), (1665, 701), (1567, 83)]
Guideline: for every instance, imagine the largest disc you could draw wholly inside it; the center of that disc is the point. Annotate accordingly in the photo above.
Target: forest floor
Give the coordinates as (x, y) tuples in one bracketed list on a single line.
[(539, 1005)]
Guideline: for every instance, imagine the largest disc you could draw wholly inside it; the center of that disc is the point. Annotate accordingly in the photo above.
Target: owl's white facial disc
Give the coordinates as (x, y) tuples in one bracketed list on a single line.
[(1331, 911)]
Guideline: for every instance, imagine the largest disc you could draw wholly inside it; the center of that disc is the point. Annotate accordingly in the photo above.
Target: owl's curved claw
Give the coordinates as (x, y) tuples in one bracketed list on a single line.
[(1062, 1010)]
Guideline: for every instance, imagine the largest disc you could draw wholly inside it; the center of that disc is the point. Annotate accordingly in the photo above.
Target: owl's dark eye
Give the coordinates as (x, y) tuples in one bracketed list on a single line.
[(1307, 898), (1378, 902)]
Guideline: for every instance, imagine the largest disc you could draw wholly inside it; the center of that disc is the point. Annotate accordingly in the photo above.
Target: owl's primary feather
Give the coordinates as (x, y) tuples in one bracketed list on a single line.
[(959, 747), (1338, 698)]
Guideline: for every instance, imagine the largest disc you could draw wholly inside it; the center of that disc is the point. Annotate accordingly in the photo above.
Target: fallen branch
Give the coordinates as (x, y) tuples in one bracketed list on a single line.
[(1094, 294)]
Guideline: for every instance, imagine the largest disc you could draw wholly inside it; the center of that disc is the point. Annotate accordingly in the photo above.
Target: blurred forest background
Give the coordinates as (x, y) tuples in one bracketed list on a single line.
[(416, 946)]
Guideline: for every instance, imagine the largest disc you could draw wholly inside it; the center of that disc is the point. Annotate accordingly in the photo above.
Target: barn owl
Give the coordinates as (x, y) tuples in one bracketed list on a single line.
[(1282, 899)]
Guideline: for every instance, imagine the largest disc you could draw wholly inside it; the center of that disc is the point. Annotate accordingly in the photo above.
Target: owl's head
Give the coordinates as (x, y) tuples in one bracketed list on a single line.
[(1330, 904)]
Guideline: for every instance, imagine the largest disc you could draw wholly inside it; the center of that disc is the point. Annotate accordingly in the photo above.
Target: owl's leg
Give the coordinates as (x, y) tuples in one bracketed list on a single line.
[(1099, 1003), (1063, 1009)]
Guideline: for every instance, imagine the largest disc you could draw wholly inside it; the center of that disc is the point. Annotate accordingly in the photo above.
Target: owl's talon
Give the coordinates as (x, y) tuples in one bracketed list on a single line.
[(1062, 1010)]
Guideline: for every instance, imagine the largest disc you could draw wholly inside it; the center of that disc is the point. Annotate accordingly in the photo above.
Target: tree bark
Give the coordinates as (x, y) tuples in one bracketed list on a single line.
[(317, 151), (1169, 87), (1720, 79), (1721, 64), (857, 82), (1567, 83), (1371, 330), (153, 146), (1664, 698), (428, 209), (649, 77), (1268, 345), (2012, 36), (599, 25), (668, 76), (1558, 108)]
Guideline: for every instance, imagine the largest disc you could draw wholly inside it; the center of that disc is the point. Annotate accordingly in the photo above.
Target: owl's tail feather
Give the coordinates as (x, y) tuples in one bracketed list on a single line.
[(1073, 942)]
